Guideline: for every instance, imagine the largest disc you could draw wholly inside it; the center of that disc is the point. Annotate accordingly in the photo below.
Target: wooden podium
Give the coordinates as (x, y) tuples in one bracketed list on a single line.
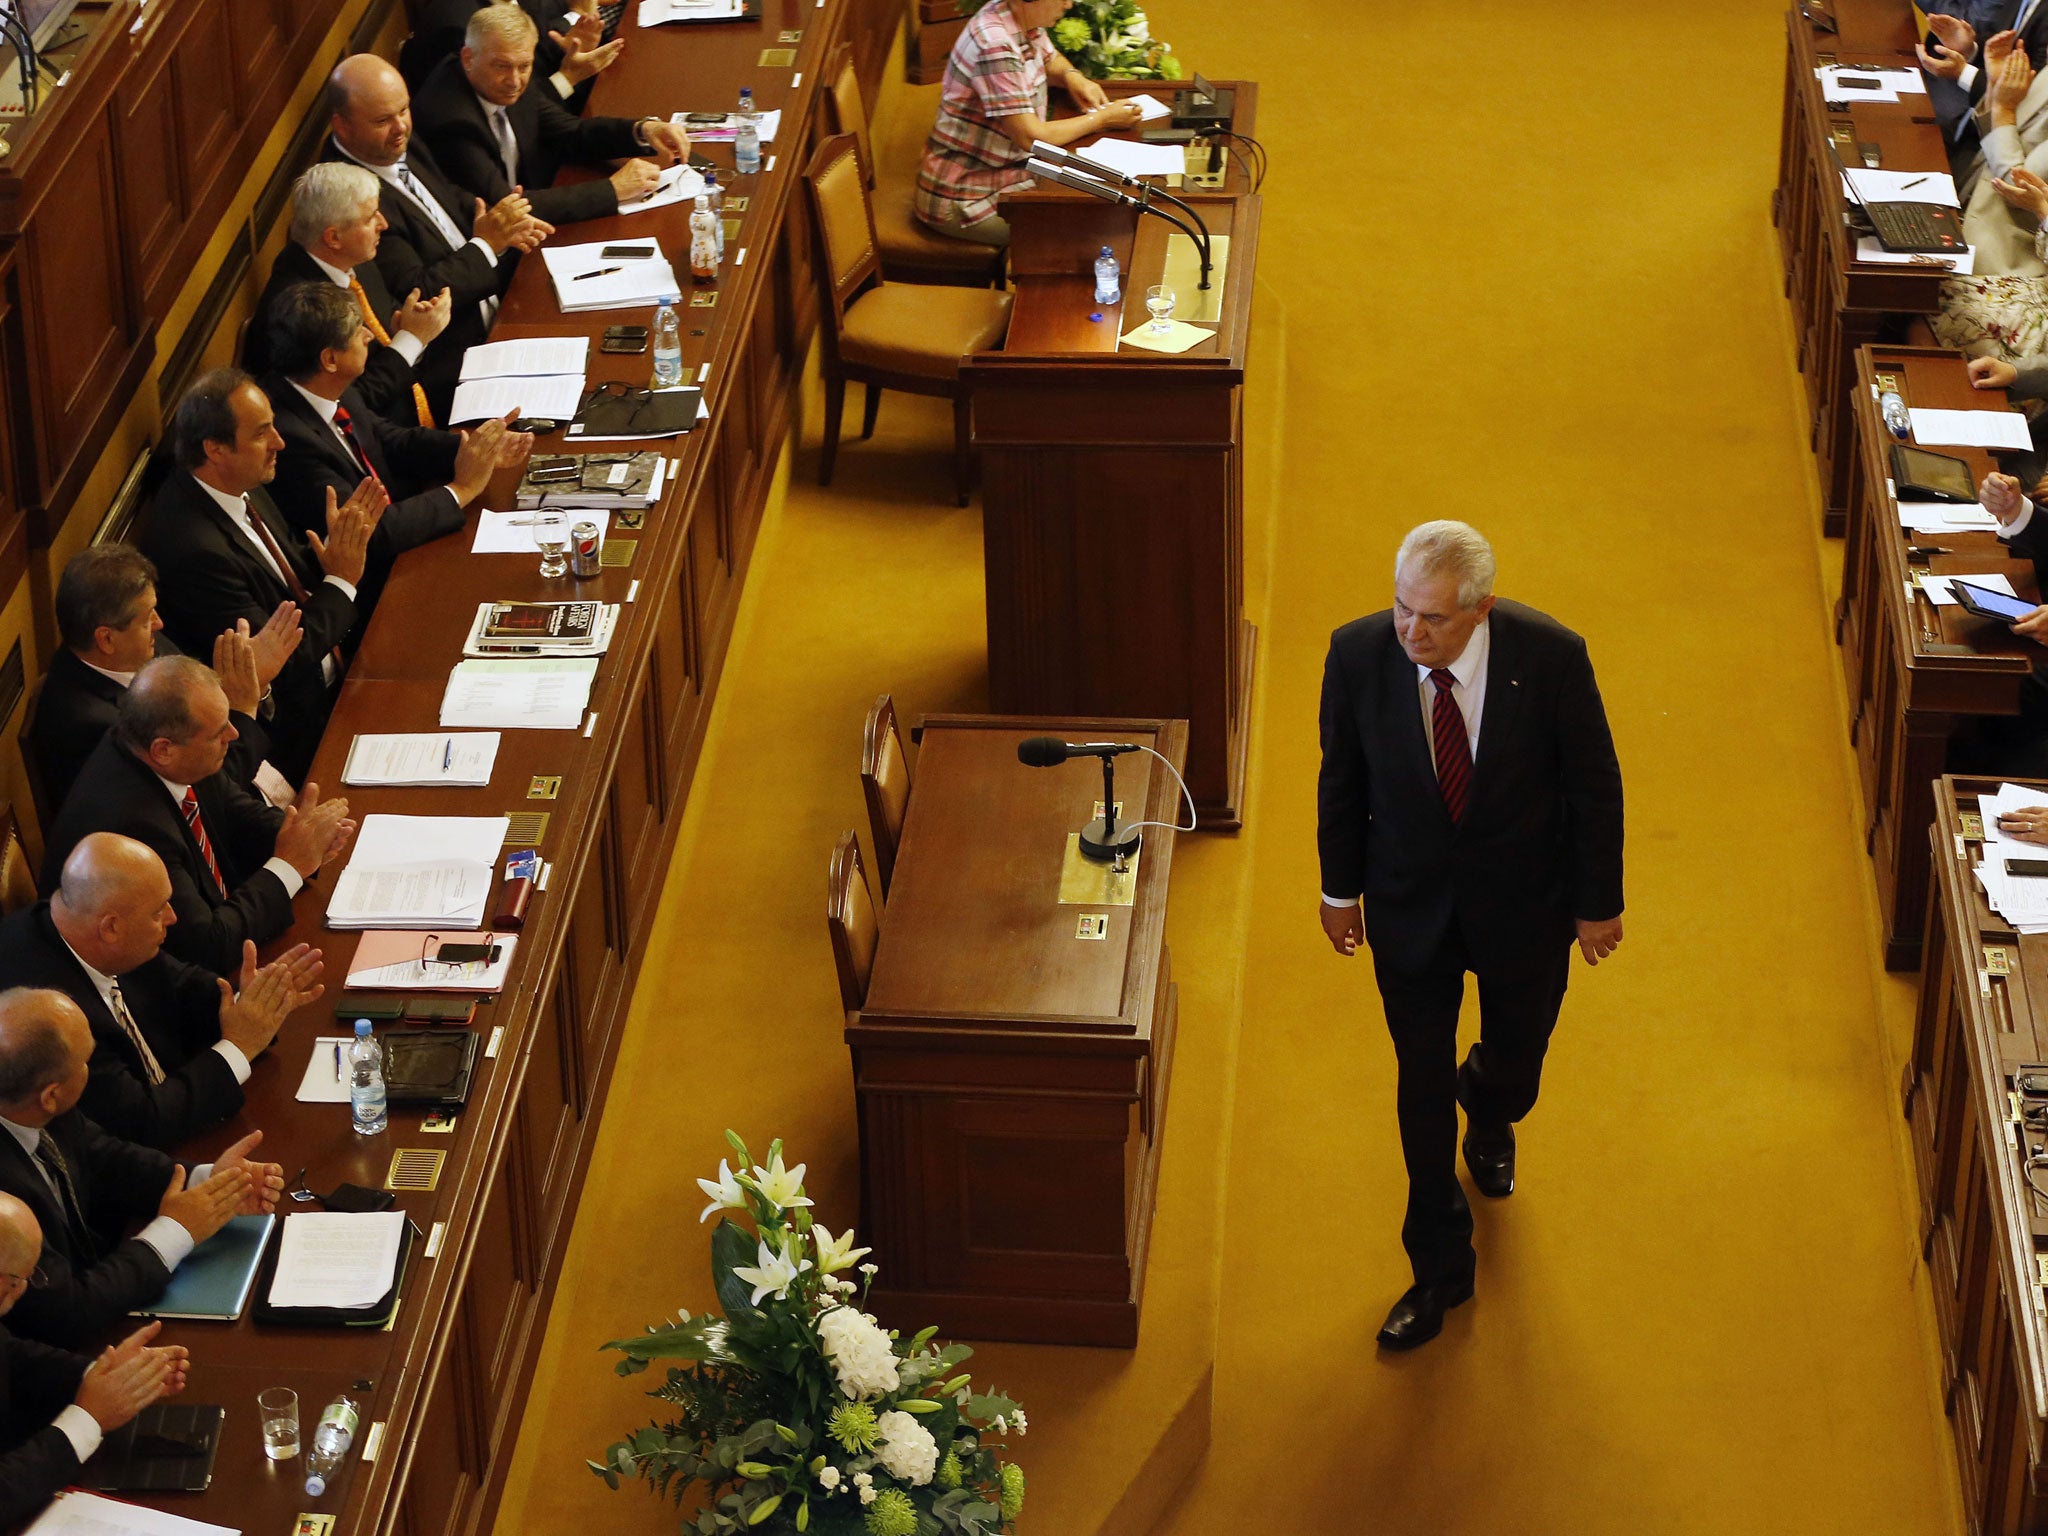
[(1113, 488)]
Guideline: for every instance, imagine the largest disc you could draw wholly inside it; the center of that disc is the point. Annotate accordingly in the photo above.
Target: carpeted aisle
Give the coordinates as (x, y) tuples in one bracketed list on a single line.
[(1516, 267)]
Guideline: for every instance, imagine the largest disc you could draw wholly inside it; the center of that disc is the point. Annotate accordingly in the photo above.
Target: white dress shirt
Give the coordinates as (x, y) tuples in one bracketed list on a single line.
[(165, 1234), (122, 678), (404, 343), (409, 187), (292, 881), (1469, 692), (103, 984)]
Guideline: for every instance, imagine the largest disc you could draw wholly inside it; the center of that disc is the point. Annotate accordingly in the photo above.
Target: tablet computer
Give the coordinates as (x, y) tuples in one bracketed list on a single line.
[(1918, 475), (1988, 603)]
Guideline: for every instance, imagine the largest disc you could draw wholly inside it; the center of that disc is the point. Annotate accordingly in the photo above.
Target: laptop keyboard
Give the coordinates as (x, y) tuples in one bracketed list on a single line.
[(1913, 227)]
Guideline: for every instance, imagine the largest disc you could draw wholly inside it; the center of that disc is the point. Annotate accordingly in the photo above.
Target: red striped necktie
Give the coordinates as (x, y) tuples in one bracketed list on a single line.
[(190, 806), (348, 435), (1453, 746)]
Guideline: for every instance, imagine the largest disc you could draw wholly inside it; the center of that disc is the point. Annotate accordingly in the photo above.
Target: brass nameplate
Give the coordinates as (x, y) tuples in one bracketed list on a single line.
[(1887, 383), (790, 35), (545, 786), (415, 1168), (736, 204), (618, 553), (629, 517), (703, 300), (314, 1525), (439, 1122), (777, 58), (1093, 925), (525, 829), (732, 230), (1085, 883), (1997, 962), (1973, 826)]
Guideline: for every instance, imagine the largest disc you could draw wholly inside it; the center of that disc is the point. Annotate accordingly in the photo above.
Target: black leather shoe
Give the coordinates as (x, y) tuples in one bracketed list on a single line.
[(1418, 1316), (1490, 1154)]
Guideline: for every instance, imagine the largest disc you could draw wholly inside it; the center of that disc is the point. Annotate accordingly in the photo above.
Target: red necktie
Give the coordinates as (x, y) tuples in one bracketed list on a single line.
[(1453, 746), (191, 809), (348, 435)]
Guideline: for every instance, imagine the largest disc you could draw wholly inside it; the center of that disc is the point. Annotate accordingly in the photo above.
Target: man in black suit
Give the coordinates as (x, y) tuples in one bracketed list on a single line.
[(438, 236), (235, 863), (109, 629), (172, 1043), (55, 1406), (88, 1188), (493, 128), (333, 442), (336, 227), (572, 51), (1471, 797), (237, 559)]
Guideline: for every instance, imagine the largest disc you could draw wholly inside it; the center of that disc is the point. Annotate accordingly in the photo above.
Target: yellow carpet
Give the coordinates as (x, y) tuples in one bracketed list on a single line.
[(1517, 267)]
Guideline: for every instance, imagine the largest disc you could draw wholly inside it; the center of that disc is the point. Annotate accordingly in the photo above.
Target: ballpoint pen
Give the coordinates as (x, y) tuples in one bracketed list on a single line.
[(448, 754), (337, 1061), (1913, 183), (600, 272)]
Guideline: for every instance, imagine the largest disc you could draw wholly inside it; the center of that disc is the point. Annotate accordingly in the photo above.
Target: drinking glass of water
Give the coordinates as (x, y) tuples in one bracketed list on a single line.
[(551, 533), (1159, 303), (279, 1407)]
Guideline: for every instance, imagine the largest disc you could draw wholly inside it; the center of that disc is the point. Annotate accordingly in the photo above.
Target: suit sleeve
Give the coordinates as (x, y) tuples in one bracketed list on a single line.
[(1343, 787), (78, 1309), (464, 272), (200, 1094), (250, 822), (570, 140), (251, 747), (387, 380), (1590, 776), (258, 909), (423, 456), (33, 1473)]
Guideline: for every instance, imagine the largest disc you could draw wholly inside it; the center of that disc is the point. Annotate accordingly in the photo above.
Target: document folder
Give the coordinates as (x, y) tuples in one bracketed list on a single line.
[(214, 1281)]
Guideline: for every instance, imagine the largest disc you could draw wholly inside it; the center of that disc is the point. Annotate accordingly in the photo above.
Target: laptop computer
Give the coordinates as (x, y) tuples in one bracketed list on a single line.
[(1927, 229)]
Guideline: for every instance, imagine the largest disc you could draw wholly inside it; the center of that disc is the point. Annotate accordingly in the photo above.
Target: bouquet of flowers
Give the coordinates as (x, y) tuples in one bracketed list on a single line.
[(796, 1411), (1110, 40)]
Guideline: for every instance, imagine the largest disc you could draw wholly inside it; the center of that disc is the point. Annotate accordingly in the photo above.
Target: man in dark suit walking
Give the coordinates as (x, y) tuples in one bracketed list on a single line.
[(1468, 819), (55, 1406)]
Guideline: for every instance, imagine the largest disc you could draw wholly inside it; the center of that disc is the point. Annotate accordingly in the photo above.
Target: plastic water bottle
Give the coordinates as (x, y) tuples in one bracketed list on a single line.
[(668, 343), (704, 251), (715, 194), (332, 1436), (1895, 414), (366, 1082), (1108, 278), (746, 143)]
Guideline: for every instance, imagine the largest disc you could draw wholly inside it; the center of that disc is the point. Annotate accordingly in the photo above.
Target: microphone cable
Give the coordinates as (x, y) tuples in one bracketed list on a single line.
[(1187, 799)]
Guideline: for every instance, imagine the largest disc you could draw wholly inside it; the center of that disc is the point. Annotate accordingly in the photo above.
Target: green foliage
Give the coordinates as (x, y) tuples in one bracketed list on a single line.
[(1112, 40)]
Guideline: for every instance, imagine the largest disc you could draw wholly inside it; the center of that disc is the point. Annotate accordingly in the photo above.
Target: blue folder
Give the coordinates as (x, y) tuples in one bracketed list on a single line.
[(214, 1281)]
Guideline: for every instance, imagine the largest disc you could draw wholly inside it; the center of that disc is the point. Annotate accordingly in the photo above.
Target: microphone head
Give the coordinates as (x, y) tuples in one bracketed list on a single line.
[(1041, 751)]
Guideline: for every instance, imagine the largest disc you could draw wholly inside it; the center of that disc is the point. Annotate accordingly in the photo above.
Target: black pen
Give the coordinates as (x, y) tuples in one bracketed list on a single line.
[(600, 272), (1913, 183)]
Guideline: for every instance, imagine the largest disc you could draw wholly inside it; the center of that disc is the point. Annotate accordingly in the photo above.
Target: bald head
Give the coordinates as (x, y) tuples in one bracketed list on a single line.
[(44, 1046), (369, 109), (21, 1244), (106, 870), (114, 904)]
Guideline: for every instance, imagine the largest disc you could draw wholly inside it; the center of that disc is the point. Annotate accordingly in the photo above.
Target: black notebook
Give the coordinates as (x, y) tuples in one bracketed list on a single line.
[(166, 1448), (428, 1067)]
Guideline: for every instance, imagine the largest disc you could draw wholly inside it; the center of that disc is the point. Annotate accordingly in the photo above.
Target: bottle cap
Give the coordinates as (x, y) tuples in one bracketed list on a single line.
[(1105, 251), (704, 201), (362, 1029), (315, 1485)]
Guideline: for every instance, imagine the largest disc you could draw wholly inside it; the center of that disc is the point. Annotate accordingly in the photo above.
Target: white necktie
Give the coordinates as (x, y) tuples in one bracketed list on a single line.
[(508, 147), (119, 1006)]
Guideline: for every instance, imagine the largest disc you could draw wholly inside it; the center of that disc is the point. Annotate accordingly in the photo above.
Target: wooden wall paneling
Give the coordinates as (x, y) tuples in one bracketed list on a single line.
[(551, 1104), (152, 166), (208, 116), (261, 33), (443, 1474), (496, 1298), (15, 433)]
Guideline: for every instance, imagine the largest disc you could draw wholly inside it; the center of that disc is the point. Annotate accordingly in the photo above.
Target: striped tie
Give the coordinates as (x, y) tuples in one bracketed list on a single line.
[(376, 325), (191, 809), (118, 1005), (345, 425), (1453, 746), (58, 1174)]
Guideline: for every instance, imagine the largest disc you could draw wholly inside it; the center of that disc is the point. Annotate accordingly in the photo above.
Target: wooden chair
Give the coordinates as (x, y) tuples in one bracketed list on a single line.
[(887, 336), (17, 875), (854, 922), (885, 781), (911, 251)]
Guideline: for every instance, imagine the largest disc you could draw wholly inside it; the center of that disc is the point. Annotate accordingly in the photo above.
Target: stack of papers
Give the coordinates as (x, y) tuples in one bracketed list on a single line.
[(2021, 900), (586, 279), (418, 872), (531, 693), (1970, 429), (428, 757), (725, 131), (1849, 84), (1904, 187), (77, 1513), (511, 533), (653, 13), (1942, 595), (1870, 248), (678, 184), (393, 960), (1130, 158), (542, 629), (535, 375), (344, 1260), (1150, 108)]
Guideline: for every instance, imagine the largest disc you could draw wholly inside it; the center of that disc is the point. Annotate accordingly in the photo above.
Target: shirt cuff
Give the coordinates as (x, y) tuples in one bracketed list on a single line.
[(232, 1054), (561, 84), (292, 881), (169, 1237), (348, 588), (408, 346), (485, 246), (81, 1429), (2018, 525), (1968, 78), (1339, 901), (453, 497)]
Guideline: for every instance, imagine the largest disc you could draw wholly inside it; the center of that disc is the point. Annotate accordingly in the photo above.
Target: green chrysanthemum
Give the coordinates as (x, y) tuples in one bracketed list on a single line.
[(949, 1473), (1069, 33), (1012, 1501), (892, 1514), (853, 1426)]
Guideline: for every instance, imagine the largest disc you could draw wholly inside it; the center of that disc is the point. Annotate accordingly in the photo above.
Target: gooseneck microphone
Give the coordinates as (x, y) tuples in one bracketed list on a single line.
[(1084, 176), (1047, 751), (1101, 839)]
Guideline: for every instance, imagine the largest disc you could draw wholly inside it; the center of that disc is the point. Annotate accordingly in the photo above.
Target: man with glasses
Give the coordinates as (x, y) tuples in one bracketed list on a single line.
[(55, 1407)]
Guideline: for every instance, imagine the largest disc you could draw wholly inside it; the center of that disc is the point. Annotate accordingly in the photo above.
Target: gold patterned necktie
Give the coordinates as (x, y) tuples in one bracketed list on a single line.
[(376, 325)]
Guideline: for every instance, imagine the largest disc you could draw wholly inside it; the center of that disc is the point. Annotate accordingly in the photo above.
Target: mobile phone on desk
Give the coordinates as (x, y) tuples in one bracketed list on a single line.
[(2031, 867)]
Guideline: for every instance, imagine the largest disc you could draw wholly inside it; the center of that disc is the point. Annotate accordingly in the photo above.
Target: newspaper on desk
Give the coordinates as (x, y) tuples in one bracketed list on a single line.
[(2021, 900)]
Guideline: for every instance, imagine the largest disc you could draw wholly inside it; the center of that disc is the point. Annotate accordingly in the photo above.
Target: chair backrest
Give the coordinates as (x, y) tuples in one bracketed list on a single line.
[(32, 765), (844, 108), (854, 921), (844, 226), (17, 875), (885, 780)]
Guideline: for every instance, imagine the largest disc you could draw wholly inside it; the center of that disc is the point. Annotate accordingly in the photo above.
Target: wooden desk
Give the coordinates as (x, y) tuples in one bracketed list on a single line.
[(448, 1384), (1838, 302), (1917, 673), (1010, 1076), (1984, 1233), (1113, 486)]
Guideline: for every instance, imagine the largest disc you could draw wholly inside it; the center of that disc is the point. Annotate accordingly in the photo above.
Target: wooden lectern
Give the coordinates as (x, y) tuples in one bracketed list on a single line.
[(1113, 487)]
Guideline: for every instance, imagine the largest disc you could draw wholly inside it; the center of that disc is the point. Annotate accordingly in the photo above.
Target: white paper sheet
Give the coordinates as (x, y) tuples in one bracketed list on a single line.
[(326, 1077), (1970, 429), (1870, 248), (420, 895), (634, 285), (1861, 85), (527, 357), (1900, 82), (78, 1513), (1939, 593), (1150, 108), (417, 976), (653, 13), (1135, 159), (679, 183), (538, 693), (2021, 900), (423, 757), (553, 397), (511, 533), (396, 840), (1904, 186), (336, 1258)]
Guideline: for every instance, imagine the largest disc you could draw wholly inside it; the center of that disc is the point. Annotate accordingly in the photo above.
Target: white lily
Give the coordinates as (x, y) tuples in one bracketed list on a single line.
[(836, 1253), (726, 1194), (774, 1271), (782, 1187)]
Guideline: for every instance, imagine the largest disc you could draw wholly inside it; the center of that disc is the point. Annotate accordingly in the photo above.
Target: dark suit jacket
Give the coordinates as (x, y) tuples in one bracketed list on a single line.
[(177, 1007), (120, 1185), (414, 254), (438, 34), (76, 707), (36, 1460), (413, 462), (117, 792), (450, 117), (387, 380), (214, 576), (1540, 843)]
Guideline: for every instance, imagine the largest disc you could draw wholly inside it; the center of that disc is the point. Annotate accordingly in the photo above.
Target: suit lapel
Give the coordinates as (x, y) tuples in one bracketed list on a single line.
[(238, 545), (1404, 730), (1500, 716), (316, 435), (27, 1181)]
